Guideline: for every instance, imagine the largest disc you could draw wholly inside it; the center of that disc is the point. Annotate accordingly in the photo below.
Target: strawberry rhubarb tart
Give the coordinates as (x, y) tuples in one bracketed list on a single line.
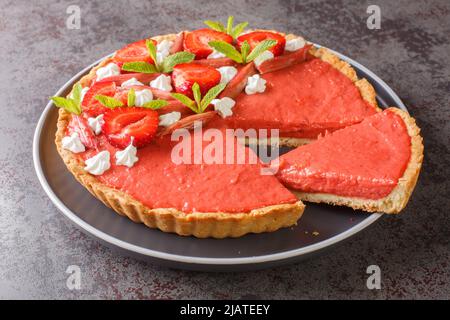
[(141, 132)]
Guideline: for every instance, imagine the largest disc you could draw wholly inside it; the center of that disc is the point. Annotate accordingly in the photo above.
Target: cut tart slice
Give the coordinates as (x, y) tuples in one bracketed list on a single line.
[(307, 99), (373, 165), (204, 199)]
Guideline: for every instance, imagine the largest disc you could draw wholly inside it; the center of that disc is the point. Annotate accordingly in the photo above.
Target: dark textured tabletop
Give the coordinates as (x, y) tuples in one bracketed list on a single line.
[(410, 51)]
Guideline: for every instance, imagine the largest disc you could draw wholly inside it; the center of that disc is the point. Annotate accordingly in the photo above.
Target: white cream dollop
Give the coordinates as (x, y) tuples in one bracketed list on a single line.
[(215, 55), (227, 73), (162, 82), (98, 164), (96, 124), (295, 44), (169, 119), (255, 84), (266, 55), (127, 157), (131, 82), (111, 69), (163, 50), (73, 143), (142, 97), (223, 106)]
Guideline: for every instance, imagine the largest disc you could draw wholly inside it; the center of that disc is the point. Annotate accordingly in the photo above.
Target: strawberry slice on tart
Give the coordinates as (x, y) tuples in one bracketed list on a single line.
[(186, 74), (254, 38), (121, 124), (136, 51), (92, 106), (197, 41)]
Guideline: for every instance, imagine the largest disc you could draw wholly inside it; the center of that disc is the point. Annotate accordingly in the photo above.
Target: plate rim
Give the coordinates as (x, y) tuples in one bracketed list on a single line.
[(194, 260)]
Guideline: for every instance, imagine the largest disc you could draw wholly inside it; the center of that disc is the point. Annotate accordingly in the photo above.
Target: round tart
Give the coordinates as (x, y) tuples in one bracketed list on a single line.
[(116, 128)]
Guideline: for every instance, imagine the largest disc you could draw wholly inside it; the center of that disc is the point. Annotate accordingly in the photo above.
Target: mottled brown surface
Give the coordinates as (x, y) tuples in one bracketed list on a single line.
[(410, 52)]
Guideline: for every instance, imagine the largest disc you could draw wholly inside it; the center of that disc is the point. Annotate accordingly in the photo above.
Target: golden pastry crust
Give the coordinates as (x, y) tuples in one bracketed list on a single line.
[(398, 198), (198, 224)]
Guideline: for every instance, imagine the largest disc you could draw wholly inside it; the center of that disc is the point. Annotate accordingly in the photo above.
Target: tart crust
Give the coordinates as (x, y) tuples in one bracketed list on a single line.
[(198, 224), (399, 196), (208, 224)]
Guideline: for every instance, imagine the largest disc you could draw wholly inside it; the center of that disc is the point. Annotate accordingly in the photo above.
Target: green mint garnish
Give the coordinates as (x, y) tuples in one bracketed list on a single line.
[(139, 66), (72, 104), (260, 48), (243, 56), (229, 29), (200, 104), (165, 66), (155, 104), (108, 102), (180, 57), (131, 97)]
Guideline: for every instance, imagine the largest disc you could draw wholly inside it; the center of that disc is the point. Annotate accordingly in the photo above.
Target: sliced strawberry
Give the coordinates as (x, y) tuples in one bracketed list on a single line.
[(121, 78), (253, 38), (284, 61), (238, 83), (197, 41), (178, 43), (123, 123), (136, 51), (218, 62), (80, 125), (90, 105), (186, 74)]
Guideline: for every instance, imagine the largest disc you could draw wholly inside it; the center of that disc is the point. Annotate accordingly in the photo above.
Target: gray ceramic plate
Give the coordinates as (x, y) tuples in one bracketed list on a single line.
[(320, 227)]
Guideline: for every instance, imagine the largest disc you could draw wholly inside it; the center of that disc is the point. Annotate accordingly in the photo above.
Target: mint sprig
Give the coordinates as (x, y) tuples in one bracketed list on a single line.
[(171, 61), (108, 102), (155, 104), (200, 104), (71, 104), (139, 66), (131, 97), (229, 29), (243, 56), (164, 66)]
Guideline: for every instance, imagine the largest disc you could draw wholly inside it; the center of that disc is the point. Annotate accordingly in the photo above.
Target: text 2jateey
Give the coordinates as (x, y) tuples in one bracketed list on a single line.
[(227, 309)]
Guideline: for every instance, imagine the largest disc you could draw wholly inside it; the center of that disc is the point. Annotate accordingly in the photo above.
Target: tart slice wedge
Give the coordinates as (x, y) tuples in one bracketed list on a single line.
[(373, 165)]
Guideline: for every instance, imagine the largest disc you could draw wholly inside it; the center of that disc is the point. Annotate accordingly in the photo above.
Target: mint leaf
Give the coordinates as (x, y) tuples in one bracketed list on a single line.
[(131, 98), (215, 25), (245, 48), (76, 93), (260, 48), (210, 95), (197, 93), (230, 24), (176, 58), (238, 29), (227, 49), (151, 49), (108, 102), (188, 102), (155, 104), (67, 104), (139, 66)]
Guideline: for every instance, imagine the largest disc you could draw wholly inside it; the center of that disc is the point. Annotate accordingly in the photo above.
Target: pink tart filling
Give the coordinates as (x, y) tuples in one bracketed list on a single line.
[(365, 160)]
